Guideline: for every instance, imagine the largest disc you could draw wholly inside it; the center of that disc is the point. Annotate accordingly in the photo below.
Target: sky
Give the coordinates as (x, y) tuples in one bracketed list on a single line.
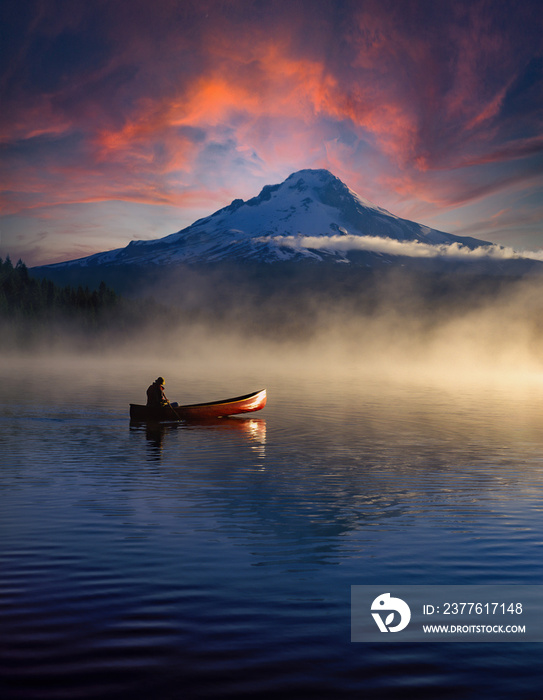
[(124, 120)]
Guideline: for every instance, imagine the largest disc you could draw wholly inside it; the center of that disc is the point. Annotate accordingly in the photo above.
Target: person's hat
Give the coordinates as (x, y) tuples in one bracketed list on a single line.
[(160, 380)]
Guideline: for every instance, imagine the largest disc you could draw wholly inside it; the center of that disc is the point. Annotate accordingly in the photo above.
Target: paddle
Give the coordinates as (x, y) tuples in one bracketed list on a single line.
[(172, 410)]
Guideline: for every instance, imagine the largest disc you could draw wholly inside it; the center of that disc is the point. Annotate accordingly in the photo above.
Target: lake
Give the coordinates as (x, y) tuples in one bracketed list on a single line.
[(216, 561)]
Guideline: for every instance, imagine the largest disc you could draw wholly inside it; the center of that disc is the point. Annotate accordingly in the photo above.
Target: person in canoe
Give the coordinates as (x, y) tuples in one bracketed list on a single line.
[(156, 395)]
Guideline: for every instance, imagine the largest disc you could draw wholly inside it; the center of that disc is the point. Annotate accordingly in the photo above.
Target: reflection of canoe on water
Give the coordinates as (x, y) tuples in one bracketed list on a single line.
[(254, 429), (200, 411)]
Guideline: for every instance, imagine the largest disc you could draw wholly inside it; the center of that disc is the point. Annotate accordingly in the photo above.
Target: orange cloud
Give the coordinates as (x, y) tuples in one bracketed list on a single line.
[(267, 100)]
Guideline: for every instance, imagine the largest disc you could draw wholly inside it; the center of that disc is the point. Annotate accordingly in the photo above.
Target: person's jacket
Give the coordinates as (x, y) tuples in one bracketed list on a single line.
[(155, 395)]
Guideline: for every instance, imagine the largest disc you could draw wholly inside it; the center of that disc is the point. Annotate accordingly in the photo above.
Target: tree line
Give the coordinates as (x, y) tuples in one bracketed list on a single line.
[(25, 297), (37, 313)]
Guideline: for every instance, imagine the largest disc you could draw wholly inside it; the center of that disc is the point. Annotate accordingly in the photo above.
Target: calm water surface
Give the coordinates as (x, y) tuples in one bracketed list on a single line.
[(216, 561)]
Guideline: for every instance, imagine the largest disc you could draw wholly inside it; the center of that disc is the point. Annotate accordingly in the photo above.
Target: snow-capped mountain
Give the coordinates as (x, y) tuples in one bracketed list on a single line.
[(311, 215)]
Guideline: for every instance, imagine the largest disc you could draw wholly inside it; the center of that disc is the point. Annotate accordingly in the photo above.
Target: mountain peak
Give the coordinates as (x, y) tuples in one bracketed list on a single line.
[(317, 176), (304, 180), (318, 184)]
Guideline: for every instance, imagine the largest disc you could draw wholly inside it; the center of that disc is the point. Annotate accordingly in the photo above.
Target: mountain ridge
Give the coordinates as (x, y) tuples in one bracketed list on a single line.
[(311, 216)]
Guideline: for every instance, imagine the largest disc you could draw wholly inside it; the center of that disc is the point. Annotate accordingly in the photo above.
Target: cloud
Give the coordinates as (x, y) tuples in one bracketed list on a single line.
[(411, 249)]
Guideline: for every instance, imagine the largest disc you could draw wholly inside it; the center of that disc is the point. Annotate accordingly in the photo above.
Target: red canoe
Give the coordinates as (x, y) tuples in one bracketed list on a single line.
[(200, 411)]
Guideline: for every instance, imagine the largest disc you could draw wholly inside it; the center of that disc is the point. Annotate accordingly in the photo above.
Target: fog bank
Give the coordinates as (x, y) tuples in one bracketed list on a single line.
[(326, 321)]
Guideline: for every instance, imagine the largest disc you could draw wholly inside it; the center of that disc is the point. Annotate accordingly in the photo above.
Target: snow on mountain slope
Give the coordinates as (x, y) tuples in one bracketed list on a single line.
[(277, 224)]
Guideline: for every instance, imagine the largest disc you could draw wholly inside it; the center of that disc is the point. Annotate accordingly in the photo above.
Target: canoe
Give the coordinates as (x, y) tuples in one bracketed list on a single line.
[(200, 411)]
